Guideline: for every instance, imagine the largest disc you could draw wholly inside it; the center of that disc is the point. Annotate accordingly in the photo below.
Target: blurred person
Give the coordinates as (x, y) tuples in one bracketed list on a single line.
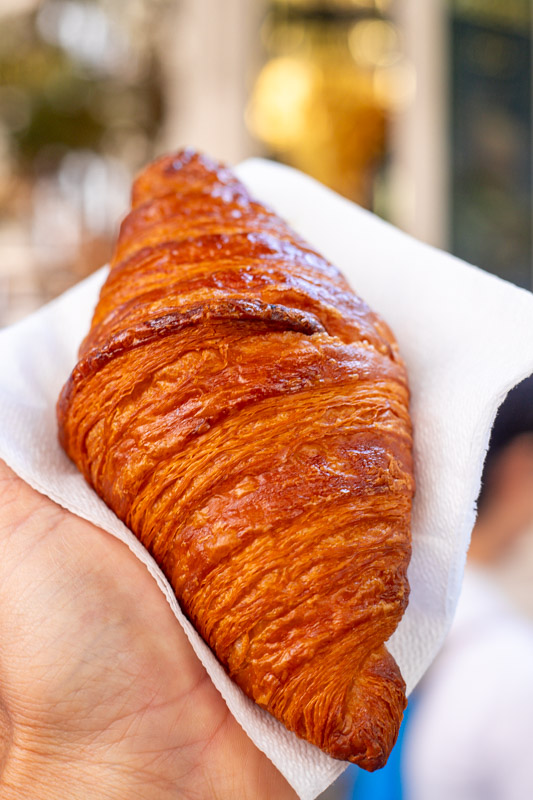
[(468, 729), (514, 570)]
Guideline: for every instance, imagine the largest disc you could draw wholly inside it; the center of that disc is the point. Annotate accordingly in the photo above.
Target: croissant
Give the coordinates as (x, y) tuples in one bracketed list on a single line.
[(246, 415)]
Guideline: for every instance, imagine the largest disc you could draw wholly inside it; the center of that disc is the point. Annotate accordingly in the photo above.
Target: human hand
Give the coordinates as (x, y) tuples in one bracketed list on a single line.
[(101, 694)]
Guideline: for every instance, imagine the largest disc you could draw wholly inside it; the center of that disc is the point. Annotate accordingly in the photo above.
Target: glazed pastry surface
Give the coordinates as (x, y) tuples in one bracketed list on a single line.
[(246, 415)]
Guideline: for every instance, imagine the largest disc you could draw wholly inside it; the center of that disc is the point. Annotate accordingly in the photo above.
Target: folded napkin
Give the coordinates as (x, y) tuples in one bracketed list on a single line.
[(467, 338)]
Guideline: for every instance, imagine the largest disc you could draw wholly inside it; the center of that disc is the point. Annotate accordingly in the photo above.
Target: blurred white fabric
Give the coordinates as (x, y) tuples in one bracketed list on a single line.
[(515, 574), (469, 736)]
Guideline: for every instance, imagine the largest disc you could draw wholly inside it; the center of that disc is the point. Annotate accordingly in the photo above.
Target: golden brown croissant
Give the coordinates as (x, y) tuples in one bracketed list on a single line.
[(246, 415)]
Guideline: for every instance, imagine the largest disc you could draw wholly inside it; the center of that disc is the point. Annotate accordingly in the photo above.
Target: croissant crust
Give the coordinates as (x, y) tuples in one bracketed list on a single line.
[(246, 415)]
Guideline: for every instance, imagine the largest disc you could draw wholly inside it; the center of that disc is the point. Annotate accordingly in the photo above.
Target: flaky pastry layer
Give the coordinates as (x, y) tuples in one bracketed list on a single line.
[(246, 415)]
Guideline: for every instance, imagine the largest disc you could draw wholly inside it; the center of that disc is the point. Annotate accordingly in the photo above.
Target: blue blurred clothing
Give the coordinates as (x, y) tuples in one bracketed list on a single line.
[(386, 783)]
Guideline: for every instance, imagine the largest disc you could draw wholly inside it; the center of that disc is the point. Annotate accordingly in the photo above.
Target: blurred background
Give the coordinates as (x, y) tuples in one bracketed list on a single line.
[(420, 110)]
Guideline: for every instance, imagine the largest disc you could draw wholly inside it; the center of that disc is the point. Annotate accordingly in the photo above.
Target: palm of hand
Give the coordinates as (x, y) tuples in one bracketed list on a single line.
[(101, 693)]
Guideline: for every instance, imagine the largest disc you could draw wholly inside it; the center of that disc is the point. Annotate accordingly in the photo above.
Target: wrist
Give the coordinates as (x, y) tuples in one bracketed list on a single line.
[(35, 770)]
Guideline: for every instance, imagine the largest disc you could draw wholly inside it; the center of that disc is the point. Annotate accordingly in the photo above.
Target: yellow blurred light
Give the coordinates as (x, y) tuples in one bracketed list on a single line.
[(313, 4), (374, 43), (381, 6), (278, 109), (362, 3), (282, 38), (395, 86)]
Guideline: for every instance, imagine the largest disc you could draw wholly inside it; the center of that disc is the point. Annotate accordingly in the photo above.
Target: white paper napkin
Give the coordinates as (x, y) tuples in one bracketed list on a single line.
[(467, 338)]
